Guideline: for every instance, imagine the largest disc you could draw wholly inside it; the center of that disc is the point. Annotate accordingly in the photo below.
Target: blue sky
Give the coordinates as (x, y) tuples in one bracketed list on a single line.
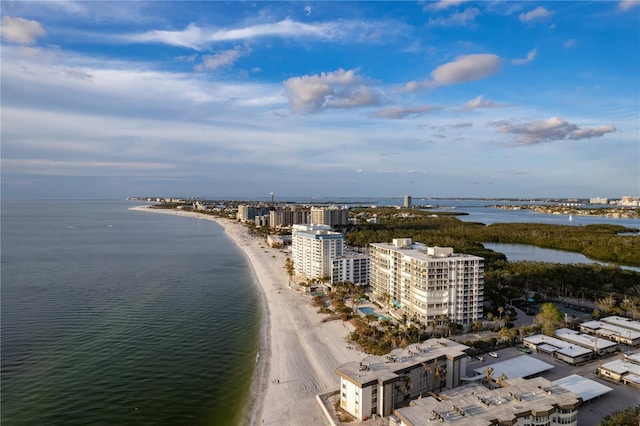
[(240, 99)]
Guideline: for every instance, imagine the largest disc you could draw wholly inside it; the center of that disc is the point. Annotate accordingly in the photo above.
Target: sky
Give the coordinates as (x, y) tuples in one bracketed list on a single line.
[(240, 99)]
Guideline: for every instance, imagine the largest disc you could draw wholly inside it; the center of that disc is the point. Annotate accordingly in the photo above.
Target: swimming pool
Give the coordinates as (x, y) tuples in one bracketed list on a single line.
[(370, 311), (367, 310)]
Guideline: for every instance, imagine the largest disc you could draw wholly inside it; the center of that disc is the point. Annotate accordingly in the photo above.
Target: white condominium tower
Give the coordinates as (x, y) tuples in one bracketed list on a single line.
[(313, 248), (426, 283)]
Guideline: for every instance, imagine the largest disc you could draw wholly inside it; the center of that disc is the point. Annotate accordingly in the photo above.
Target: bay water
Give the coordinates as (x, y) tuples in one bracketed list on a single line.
[(112, 316)]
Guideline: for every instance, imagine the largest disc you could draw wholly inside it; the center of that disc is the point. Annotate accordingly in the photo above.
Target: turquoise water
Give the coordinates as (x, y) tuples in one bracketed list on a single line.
[(111, 316), (370, 311), (367, 311)]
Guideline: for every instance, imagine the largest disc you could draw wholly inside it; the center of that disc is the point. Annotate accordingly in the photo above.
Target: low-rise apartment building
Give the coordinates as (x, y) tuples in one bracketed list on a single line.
[(427, 283), (519, 402), (619, 329), (377, 385)]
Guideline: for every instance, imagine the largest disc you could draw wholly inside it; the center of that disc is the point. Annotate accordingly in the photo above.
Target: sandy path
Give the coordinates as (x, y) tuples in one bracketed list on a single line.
[(298, 352)]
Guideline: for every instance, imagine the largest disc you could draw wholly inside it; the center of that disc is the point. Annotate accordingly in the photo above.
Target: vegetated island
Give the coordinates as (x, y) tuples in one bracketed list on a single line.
[(613, 212)]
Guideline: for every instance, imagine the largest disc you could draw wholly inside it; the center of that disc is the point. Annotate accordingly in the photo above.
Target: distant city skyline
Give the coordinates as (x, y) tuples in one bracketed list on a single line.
[(370, 99)]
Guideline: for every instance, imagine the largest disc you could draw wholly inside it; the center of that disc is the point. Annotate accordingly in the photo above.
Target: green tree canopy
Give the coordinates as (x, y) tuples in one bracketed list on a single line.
[(550, 318)]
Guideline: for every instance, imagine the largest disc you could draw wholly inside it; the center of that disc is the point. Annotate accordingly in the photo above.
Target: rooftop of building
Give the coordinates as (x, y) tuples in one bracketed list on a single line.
[(552, 345), (476, 405), (622, 322), (622, 366), (521, 366), (421, 251), (376, 368), (586, 389), (612, 329), (584, 340)]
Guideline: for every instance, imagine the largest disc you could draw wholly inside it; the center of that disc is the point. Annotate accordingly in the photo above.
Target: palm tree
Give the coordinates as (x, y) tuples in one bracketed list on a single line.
[(406, 380), (288, 264), (427, 370), (489, 373), (501, 378), (439, 374)]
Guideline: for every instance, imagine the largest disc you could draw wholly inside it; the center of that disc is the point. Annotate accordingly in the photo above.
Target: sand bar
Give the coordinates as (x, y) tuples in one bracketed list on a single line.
[(298, 352)]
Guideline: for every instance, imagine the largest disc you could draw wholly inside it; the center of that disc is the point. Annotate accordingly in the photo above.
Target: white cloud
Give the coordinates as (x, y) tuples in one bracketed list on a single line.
[(460, 18), (628, 4), (569, 43), (403, 112), (443, 4), (535, 14), (48, 167), (530, 57), (225, 58), (21, 31), (551, 129), (338, 89), (463, 69), (196, 37), (480, 102)]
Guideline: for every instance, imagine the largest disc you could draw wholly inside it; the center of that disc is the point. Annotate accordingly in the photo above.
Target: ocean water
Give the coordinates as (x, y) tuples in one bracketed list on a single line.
[(111, 316)]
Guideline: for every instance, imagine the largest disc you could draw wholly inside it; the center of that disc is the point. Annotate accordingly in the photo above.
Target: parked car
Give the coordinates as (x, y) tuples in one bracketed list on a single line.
[(493, 354), (480, 358), (524, 350)]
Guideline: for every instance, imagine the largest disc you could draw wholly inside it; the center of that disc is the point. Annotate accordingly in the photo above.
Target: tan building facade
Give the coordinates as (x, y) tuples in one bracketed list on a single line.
[(427, 283)]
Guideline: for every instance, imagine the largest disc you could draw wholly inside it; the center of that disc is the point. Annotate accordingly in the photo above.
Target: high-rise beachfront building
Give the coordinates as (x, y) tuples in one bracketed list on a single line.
[(407, 202), (313, 248), (284, 217), (248, 213), (427, 283), (332, 216), (351, 267)]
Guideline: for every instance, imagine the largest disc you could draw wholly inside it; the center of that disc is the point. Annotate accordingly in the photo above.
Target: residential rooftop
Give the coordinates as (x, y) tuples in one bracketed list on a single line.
[(377, 368), (521, 366), (473, 404), (584, 340)]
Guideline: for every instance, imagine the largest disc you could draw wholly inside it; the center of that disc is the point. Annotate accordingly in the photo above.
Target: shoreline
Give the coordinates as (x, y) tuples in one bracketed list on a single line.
[(298, 352)]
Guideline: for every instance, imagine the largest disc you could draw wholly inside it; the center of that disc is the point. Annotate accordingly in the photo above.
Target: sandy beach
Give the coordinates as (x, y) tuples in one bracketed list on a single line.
[(298, 352)]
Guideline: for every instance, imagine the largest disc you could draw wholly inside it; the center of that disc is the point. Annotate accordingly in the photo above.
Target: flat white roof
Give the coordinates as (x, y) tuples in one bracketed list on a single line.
[(584, 340), (622, 322), (418, 251), (611, 329), (522, 366), (621, 366), (551, 344), (586, 389), (634, 357)]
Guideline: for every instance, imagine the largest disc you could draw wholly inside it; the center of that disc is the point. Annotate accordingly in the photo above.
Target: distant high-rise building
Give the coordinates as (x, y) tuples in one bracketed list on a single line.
[(283, 217), (407, 202), (248, 213), (426, 283), (332, 216)]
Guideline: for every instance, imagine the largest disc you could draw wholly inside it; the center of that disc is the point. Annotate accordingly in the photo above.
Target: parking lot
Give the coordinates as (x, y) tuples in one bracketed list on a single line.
[(591, 412)]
